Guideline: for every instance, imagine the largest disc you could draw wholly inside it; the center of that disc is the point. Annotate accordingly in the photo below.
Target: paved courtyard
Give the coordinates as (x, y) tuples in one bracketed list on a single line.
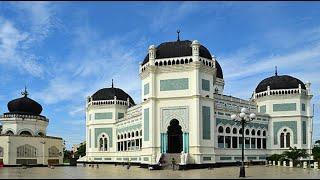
[(110, 171)]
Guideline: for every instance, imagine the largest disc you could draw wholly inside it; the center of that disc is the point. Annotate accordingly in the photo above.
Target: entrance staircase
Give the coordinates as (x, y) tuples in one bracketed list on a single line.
[(166, 160)]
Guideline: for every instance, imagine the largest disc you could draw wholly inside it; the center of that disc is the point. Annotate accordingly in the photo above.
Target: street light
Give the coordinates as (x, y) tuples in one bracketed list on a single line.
[(243, 118)]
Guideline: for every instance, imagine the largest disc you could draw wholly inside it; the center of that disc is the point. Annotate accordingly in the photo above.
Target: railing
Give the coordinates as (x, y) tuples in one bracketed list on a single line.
[(280, 92), (106, 102), (24, 116)]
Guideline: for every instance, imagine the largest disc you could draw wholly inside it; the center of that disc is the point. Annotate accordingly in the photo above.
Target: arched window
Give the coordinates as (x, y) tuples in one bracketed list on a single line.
[(258, 132), (190, 61), (137, 133), (240, 131), (1, 151), (181, 61), (103, 143), (140, 132), (288, 140), (220, 129), (253, 132), (9, 133), (121, 136), (132, 134), (125, 136), (25, 133), (186, 61), (173, 62), (26, 151), (169, 62), (234, 130), (128, 135), (160, 64), (264, 133), (228, 130), (247, 132), (40, 134), (118, 136), (282, 140), (177, 62), (53, 151)]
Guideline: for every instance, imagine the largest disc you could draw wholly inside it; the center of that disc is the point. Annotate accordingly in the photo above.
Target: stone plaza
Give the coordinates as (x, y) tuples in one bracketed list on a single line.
[(121, 172)]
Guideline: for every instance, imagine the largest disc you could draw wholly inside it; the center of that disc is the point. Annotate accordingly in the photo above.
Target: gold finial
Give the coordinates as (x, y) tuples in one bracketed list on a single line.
[(25, 92), (178, 31)]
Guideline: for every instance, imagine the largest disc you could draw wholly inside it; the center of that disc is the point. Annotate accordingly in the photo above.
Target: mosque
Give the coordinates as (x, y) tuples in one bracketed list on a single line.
[(183, 111), (23, 137)]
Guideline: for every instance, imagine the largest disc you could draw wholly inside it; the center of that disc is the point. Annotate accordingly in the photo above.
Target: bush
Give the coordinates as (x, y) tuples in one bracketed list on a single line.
[(276, 157)]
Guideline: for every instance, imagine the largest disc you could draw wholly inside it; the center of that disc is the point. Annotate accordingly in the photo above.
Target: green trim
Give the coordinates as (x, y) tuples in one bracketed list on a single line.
[(130, 128), (206, 128), (285, 107), (174, 84), (249, 125), (278, 125), (205, 85), (303, 107), (225, 158), (304, 132), (120, 115), (98, 131), (206, 158), (146, 89), (263, 109), (146, 124), (251, 157), (99, 116)]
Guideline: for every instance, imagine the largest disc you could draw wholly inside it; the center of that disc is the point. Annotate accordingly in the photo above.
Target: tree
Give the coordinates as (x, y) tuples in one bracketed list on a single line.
[(275, 157), (294, 154), (316, 153), (81, 150)]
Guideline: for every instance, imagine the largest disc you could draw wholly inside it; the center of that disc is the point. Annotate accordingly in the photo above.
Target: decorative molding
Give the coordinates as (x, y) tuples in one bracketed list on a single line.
[(181, 113)]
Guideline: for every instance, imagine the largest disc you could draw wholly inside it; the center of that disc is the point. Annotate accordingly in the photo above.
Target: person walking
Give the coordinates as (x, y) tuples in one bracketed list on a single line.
[(173, 163)]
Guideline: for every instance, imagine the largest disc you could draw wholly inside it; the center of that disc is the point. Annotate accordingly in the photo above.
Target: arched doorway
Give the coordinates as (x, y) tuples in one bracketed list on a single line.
[(174, 132)]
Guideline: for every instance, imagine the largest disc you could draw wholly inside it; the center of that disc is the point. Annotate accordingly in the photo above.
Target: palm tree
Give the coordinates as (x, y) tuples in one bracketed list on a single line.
[(294, 154)]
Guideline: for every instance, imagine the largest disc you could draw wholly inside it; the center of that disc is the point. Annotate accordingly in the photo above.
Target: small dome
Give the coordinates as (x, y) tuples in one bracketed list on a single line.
[(24, 105), (219, 70), (279, 82), (177, 49), (109, 93)]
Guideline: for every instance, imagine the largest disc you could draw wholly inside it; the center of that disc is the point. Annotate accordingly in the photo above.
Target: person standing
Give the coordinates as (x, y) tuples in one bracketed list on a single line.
[(173, 163)]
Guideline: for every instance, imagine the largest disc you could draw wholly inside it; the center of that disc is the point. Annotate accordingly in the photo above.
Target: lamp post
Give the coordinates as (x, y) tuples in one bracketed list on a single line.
[(243, 118)]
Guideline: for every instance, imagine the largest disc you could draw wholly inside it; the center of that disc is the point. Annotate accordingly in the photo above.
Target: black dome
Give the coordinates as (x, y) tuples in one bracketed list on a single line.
[(24, 105), (219, 70), (109, 93), (177, 49), (279, 82)]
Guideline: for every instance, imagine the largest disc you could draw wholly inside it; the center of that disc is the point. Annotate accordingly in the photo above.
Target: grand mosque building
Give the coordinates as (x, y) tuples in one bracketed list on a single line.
[(23, 135), (183, 111)]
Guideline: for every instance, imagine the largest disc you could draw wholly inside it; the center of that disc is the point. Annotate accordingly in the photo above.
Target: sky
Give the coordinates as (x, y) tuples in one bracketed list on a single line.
[(66, 51)]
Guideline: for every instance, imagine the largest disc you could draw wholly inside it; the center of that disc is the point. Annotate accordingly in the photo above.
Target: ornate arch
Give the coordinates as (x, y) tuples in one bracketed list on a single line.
[(1, 151), (26, 151), (25, 129), (179, 113)]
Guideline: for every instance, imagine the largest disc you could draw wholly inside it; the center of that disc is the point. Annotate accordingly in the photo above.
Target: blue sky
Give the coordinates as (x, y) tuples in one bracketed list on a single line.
[(65, 51)]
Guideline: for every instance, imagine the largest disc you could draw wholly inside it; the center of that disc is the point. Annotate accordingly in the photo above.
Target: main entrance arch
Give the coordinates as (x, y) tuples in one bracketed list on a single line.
[(175, 140)]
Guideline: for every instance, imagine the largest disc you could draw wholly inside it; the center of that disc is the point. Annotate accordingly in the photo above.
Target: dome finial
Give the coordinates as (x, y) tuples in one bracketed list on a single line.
[(112, 83), (178, 31), (276, 71), (25, 92)]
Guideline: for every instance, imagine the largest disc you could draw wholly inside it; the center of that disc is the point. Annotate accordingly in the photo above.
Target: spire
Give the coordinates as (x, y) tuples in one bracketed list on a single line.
[(178, 31), (112, 83), (276, 71), (25, 92)]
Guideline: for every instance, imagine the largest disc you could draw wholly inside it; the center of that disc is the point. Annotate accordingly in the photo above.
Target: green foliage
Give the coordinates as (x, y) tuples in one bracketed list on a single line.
[(81, 150), (275, 157), (316, 153), (294, 154)]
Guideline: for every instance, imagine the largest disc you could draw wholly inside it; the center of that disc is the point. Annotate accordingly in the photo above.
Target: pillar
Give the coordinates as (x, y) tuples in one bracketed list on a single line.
[(291, 164), (316, 165), (185, 142), (305, 165)]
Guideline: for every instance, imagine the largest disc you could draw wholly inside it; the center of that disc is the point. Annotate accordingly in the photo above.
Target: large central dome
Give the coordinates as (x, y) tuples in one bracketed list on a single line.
[(177, 49)]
